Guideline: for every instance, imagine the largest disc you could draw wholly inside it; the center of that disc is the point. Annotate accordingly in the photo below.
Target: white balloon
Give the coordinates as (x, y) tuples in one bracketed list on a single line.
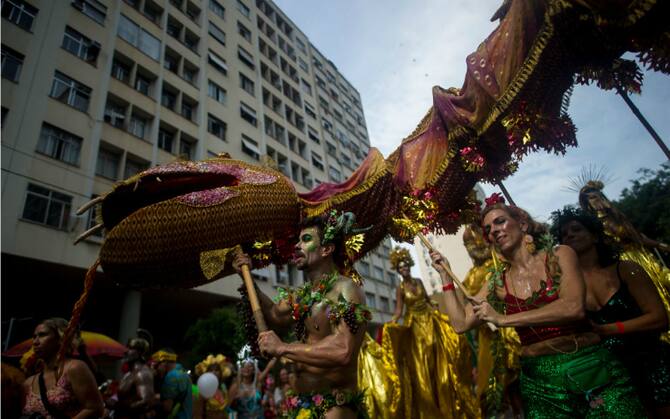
[(207, 385)]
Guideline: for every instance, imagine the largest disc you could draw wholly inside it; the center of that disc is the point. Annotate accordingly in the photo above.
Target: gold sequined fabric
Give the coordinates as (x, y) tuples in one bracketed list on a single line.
[(433, 366)]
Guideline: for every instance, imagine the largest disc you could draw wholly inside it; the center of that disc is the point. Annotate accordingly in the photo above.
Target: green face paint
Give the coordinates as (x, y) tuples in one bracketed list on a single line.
[(310, 243)]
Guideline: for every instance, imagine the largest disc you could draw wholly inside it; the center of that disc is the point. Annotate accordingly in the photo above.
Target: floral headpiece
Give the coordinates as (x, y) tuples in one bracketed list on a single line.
[(495, 198), (341, 224), (163, 355), (220, 360), (398, 255)]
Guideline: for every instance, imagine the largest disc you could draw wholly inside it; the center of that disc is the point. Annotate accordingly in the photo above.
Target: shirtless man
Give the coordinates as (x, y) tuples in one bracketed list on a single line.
[(136, 389), (330, 322)]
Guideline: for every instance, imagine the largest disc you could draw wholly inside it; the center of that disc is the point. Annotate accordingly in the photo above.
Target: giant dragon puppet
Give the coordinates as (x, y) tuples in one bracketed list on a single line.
[(174, 225)]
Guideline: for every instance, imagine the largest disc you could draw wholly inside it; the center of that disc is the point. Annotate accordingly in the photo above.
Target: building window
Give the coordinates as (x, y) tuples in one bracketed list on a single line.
[(187, 149), (309, 110), (247, 84), (216, 127), (378, 273), (218, 63), (20, 13), (248, 114), (243, 9), (59, 144), (120, 71), (370, 300), (187, 110), (217, 8), (138, 126), (244, 31), (47, 207), (80, 45), (303, 64), (216, 92), (384, 305), (115, 114), (168, 99), (317, 161), (364, 268), (134, 166), (173, 28), (217, 33), (334, 174), (152, 12), (165, 140), (139, 38), (250, 147), (142, 84), (306, 87), (12, 62), (189, 74), (71, 92), (171, 63), (92, 8), (245, 57), (108, 164), (191, 41)]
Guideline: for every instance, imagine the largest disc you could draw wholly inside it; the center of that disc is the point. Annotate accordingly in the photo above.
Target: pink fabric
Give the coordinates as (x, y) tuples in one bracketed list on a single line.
[(61, 397)]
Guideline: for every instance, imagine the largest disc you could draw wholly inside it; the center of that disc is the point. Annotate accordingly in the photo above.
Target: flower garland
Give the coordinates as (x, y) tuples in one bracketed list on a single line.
[(315, 405), (301, 301)]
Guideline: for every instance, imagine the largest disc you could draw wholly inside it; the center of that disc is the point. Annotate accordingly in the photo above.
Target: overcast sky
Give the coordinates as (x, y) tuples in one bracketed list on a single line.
[(394, 51)]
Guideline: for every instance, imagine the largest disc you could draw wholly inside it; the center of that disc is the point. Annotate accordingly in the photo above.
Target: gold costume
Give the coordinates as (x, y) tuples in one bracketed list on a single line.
[(493, 379), (632, 242), (433, 369)]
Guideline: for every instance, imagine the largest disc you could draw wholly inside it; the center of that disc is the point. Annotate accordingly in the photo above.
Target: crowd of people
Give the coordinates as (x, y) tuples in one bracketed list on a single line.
[(578, 335)]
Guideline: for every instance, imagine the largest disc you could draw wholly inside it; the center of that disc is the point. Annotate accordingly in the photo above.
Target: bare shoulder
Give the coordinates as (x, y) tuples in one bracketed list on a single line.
[(631, 271), (76, 368), (350, 290), (563, 251)]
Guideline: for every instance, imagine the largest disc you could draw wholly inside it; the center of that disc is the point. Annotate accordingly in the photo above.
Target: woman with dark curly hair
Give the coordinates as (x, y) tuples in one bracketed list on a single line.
[(539, 290), (623, 305)]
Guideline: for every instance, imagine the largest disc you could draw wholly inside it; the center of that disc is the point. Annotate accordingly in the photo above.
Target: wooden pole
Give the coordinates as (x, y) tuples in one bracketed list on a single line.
[(453, 277), (505, 192), (253, 299), (644, 121)]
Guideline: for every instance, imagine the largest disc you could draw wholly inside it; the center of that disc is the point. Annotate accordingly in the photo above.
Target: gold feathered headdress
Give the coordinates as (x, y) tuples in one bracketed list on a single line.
[(400, 254)]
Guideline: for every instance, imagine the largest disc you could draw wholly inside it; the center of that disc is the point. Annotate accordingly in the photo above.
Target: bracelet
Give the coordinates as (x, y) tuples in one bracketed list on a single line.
[(619, 327), (448, 287)]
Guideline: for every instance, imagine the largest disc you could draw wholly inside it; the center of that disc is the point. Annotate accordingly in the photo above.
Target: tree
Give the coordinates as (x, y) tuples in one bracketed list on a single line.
[(647, 203), (220, 333)]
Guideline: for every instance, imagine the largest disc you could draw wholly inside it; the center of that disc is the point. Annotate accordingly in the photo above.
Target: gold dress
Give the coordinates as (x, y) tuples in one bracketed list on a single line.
[(433, 369), (497, 352)]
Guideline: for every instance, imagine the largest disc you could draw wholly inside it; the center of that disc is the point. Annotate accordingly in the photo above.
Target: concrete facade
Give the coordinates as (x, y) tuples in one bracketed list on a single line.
[(95, 91)]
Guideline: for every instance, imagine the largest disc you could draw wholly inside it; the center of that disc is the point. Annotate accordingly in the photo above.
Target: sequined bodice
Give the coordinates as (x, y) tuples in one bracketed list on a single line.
[(415, 300)]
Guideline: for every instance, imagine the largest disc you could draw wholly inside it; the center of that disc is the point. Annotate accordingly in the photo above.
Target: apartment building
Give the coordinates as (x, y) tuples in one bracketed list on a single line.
[(94, 91)]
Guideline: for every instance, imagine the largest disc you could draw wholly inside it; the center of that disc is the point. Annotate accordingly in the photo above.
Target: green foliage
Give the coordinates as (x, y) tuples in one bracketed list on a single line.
[(647, 203), (221, 332)]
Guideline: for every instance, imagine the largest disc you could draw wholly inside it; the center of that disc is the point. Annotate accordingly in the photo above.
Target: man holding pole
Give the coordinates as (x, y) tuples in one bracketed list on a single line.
[(329, 319)]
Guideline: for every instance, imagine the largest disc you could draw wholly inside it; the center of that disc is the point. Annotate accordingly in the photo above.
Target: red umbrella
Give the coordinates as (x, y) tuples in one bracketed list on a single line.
[(96, 344)]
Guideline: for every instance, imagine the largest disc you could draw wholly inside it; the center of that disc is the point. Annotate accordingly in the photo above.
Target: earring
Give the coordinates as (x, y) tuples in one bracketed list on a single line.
[(529, 243)]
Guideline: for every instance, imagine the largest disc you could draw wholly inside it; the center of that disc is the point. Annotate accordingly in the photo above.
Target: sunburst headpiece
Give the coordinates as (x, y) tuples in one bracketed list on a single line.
[(400, 255)]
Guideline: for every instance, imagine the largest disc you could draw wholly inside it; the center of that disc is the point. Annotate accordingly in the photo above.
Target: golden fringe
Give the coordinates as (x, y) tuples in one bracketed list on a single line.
[(345, 196)]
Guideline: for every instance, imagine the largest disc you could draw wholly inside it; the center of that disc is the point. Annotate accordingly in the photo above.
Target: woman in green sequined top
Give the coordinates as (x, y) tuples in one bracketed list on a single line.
[(623, 305)]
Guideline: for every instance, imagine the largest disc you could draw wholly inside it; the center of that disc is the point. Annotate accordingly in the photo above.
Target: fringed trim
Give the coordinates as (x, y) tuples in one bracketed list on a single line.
[(636, 11), (523, 75), (73, 325), (625, 74), (345, 196)]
